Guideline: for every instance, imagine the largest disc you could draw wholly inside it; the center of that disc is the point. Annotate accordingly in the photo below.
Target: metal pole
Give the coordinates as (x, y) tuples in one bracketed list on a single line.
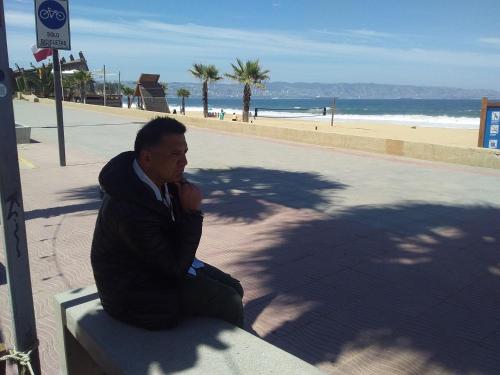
[(14, 230), (59, 109), (333, 109), (104, 86)]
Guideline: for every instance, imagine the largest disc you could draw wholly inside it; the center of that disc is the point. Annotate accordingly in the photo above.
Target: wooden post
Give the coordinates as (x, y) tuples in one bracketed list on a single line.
[(482, 124), (104, 85), (333, 109)]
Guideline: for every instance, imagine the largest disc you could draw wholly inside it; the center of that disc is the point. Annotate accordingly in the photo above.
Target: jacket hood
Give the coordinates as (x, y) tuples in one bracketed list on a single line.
[(117, 177), (119, 180)]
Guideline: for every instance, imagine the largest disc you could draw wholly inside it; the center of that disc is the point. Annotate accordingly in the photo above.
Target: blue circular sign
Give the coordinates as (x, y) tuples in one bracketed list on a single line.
[(52, 14)]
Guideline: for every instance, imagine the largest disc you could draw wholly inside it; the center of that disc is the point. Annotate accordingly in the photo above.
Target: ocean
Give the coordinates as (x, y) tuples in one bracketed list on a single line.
[(442, 113)]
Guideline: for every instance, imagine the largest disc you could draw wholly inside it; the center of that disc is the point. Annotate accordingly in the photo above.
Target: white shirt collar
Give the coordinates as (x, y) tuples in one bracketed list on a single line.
[(144, 178)]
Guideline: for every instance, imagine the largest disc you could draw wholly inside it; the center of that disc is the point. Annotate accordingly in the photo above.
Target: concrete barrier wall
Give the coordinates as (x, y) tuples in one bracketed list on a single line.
[(478, 157)]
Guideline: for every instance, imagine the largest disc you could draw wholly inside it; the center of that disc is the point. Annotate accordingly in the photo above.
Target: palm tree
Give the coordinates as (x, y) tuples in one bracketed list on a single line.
[(26, 82), (183, 93), (69, 84), (82, 77), (164, 86), (20, 85), (250, 75), (43, 80), (128, 92), (206, 74), (46, 80)]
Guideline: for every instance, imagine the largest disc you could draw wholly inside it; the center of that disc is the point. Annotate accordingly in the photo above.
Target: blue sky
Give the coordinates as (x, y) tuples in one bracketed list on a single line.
[(437, 43)]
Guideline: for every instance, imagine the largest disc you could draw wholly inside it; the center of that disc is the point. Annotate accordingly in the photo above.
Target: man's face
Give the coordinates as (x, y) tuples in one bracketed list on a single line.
[(167, 160)]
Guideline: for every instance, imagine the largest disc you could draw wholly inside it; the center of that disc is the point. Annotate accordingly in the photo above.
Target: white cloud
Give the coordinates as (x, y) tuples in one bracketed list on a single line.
[(370, 33), (134, 14), (147, 38), (89, 27), (359, 34), (19, 19), (490, 41)]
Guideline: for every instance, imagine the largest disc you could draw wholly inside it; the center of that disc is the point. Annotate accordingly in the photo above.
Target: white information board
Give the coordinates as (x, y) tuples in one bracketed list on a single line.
[(52, 24)]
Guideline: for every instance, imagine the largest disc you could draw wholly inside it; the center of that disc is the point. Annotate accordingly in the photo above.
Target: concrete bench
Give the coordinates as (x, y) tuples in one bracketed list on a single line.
[(91, 342), (23, 134)]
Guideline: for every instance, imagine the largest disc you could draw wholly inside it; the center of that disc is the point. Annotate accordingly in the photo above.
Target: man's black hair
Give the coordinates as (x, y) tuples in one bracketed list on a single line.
[(150, 134)]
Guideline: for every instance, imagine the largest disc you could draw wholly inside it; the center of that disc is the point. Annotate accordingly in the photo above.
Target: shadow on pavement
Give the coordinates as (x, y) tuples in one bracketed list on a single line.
[(88, 194), (412, 287), (256, 190)]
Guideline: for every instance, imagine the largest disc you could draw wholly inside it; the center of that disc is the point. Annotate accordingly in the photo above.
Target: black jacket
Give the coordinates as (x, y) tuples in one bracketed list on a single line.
[(139, 254)]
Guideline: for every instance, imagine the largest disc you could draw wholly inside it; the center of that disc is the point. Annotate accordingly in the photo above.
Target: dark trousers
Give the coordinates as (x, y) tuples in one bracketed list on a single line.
[(212, 293)]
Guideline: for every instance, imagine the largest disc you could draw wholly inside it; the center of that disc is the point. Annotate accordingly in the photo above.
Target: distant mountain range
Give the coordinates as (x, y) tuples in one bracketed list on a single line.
[(339, 90)]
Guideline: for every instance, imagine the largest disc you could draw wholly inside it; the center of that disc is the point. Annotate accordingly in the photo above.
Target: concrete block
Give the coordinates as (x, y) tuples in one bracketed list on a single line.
[(88, 337), (23, 134)]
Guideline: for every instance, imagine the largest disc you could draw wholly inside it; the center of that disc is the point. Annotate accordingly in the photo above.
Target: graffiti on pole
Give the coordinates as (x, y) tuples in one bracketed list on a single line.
[(13, 203)]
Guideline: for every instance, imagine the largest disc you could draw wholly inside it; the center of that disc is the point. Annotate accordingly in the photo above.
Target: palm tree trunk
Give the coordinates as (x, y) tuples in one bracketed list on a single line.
[(183, 109), (205, 99), (128, 101), (247, 94), (82, 93), (26, 85)]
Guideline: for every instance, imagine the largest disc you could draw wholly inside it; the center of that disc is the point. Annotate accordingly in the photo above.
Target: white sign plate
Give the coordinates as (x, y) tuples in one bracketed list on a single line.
[(52, 24)]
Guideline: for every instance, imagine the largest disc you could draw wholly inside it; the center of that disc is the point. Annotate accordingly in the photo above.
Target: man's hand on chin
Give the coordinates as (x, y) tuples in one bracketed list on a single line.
[(189, 195)]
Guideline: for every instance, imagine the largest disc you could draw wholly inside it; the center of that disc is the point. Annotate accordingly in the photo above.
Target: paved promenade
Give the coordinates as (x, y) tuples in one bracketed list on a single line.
[(357, 263)]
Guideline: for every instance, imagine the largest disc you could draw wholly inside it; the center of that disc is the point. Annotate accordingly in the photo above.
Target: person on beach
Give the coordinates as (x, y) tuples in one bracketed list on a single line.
[(235, 117), (147, 233)]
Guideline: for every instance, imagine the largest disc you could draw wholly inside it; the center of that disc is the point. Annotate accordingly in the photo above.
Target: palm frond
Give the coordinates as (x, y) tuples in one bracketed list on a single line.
[(127, 91), (231, 76), (183, 93), (198, 70), (212, 73), (249, 72)]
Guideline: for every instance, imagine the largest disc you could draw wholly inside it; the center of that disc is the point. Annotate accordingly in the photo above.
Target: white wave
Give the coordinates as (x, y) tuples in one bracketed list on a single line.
[(212, 109), (405, 120), (418, 120), (299, 115), (132, 105)]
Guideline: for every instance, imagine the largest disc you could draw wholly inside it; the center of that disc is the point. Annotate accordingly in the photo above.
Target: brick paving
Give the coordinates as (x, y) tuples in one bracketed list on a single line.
[(356, 263)]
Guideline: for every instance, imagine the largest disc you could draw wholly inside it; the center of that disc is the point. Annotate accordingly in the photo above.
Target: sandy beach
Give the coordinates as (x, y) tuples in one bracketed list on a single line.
[(375, 129)]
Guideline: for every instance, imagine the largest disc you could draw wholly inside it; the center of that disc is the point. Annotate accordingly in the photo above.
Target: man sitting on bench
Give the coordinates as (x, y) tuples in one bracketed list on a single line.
[(147, 233)]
